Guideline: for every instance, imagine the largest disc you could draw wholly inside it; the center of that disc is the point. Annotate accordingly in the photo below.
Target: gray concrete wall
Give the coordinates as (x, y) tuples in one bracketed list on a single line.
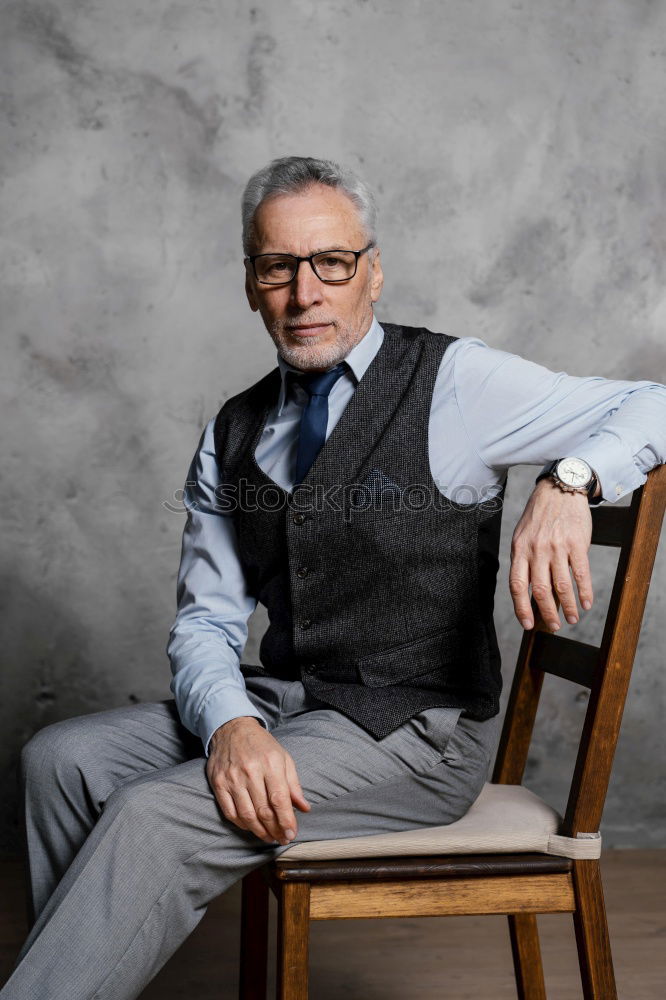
[(519, 155)]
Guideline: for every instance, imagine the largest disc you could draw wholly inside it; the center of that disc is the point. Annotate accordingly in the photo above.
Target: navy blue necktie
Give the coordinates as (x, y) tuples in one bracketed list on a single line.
[(314, 418)]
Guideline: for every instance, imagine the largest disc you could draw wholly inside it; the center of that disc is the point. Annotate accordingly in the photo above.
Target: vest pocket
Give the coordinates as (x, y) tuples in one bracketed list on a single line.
[(398, 664), (376, 509)]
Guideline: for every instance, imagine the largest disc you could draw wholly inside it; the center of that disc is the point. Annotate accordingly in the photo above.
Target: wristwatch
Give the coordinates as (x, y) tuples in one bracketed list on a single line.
[(572, 475)]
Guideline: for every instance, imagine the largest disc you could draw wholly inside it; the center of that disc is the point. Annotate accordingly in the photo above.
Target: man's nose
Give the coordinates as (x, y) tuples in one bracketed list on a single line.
[(306, 288)]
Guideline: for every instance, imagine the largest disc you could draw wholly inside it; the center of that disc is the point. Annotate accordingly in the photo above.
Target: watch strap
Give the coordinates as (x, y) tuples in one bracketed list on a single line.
[(546, 471)]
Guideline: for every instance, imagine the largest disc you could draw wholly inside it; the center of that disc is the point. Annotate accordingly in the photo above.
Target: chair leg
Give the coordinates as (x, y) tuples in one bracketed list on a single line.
[(594, 950), (524, 935), (254, 937), (293, 940)]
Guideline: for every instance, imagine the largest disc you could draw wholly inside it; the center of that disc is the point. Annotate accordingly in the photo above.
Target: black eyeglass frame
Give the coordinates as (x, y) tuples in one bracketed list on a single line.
[(297, 263)]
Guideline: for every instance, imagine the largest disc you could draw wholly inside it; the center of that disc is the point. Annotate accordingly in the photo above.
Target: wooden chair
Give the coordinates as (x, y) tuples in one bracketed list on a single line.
[(473, 866)]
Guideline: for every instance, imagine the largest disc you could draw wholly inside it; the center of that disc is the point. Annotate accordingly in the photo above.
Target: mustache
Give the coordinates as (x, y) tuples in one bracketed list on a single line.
[(307, 321)]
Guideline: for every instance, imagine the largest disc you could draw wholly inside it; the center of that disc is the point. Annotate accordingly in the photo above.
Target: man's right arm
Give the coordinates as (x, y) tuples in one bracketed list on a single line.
[(214, 604), (252, 777)]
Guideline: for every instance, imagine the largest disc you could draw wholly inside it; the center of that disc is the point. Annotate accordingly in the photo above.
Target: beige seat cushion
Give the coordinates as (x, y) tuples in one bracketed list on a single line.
[(505, 819)]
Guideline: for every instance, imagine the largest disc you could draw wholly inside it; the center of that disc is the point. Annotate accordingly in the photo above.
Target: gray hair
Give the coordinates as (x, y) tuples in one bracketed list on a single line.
[(290, 174)]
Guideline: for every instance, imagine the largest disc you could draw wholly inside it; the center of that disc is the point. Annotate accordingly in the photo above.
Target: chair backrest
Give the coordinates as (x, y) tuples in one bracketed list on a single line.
[(604, 669)]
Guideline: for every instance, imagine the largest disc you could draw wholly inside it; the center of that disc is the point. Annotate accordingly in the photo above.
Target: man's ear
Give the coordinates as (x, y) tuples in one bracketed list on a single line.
[(249, 290), (376, 276)]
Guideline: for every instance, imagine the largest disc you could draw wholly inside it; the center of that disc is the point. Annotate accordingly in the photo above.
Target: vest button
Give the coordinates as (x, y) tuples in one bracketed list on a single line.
[(306, 623), (302, 571), (298, 518)]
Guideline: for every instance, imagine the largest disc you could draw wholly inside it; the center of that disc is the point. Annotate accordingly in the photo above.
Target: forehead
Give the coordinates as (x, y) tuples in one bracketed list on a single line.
[(318, 218)]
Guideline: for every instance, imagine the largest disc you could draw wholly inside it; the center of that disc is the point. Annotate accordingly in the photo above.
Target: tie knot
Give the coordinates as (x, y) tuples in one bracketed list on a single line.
[(320, 383)]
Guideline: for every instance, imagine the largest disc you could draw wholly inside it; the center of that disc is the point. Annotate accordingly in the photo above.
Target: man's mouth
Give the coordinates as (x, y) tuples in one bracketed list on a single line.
[(307, 329)]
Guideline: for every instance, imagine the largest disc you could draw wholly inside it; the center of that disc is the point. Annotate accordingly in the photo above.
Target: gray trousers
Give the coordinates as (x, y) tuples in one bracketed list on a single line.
[(127, 845)]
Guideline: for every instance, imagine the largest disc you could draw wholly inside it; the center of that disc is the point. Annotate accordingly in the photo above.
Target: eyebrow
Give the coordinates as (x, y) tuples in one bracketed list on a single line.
[(286, 252)]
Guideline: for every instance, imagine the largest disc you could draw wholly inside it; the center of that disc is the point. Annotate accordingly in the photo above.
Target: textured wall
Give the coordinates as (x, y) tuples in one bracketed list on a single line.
[(519, 155)]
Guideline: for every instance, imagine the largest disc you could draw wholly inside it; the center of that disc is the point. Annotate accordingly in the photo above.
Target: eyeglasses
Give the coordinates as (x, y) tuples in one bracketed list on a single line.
[(329, 265)]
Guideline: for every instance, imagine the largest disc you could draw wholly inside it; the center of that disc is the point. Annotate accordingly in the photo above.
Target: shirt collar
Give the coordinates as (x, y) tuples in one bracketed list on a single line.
[(358, 359)]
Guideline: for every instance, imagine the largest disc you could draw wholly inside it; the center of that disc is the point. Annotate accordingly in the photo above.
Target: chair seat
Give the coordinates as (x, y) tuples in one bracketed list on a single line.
[(505, 819)]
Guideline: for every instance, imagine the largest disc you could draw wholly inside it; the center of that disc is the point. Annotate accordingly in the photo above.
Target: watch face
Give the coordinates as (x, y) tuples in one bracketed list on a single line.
[(574, 472)]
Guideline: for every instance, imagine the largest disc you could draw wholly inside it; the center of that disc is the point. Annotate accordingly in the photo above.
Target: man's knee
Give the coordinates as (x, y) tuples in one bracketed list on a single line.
[(56, 751)]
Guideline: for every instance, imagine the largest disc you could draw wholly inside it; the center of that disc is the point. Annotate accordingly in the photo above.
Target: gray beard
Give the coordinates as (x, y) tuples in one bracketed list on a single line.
[(314, 354)]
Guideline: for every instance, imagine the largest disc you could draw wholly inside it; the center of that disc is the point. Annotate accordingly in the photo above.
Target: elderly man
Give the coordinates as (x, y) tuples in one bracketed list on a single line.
[(355, 491)]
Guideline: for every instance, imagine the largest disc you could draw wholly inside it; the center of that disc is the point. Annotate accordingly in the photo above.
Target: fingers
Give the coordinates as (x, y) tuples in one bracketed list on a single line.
[(264, 807), (519, 586), (580, 567), (282, 788), (258, 796), (249, 817), (550, 578), (542, 591), (278, 813), (563, 586)]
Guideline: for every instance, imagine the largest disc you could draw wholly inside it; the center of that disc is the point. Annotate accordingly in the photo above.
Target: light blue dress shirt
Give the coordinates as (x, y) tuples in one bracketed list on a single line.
[(490, 410)]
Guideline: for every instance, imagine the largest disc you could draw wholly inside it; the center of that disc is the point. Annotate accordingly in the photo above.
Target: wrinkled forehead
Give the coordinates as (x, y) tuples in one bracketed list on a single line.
[(317, 218)]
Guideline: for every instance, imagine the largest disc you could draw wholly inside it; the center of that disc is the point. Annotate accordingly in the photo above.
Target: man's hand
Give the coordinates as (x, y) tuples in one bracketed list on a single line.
[(552, 537), (254, 780)]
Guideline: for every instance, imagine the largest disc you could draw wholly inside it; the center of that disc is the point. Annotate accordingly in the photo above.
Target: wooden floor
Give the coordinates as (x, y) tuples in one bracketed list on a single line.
[(458, 958)]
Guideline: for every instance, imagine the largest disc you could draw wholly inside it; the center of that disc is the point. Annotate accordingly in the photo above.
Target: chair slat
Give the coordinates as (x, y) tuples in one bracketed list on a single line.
[(568, 658), (610, 525), (521, 713), (522, 894)]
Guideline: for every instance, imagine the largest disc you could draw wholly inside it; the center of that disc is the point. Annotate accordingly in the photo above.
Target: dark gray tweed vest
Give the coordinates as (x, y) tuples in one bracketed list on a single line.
[(379, 590)]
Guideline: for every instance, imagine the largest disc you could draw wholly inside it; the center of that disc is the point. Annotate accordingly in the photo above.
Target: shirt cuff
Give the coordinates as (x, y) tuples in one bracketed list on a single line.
[(616, 478), (218, 710), (614, 465)]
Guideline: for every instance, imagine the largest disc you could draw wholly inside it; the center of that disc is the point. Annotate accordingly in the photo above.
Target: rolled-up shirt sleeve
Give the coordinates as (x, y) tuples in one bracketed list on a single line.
[(517, 412), (214, 604)]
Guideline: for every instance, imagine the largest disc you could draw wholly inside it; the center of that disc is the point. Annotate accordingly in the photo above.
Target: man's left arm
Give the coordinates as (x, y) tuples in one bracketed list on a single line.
[(517, 412)]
